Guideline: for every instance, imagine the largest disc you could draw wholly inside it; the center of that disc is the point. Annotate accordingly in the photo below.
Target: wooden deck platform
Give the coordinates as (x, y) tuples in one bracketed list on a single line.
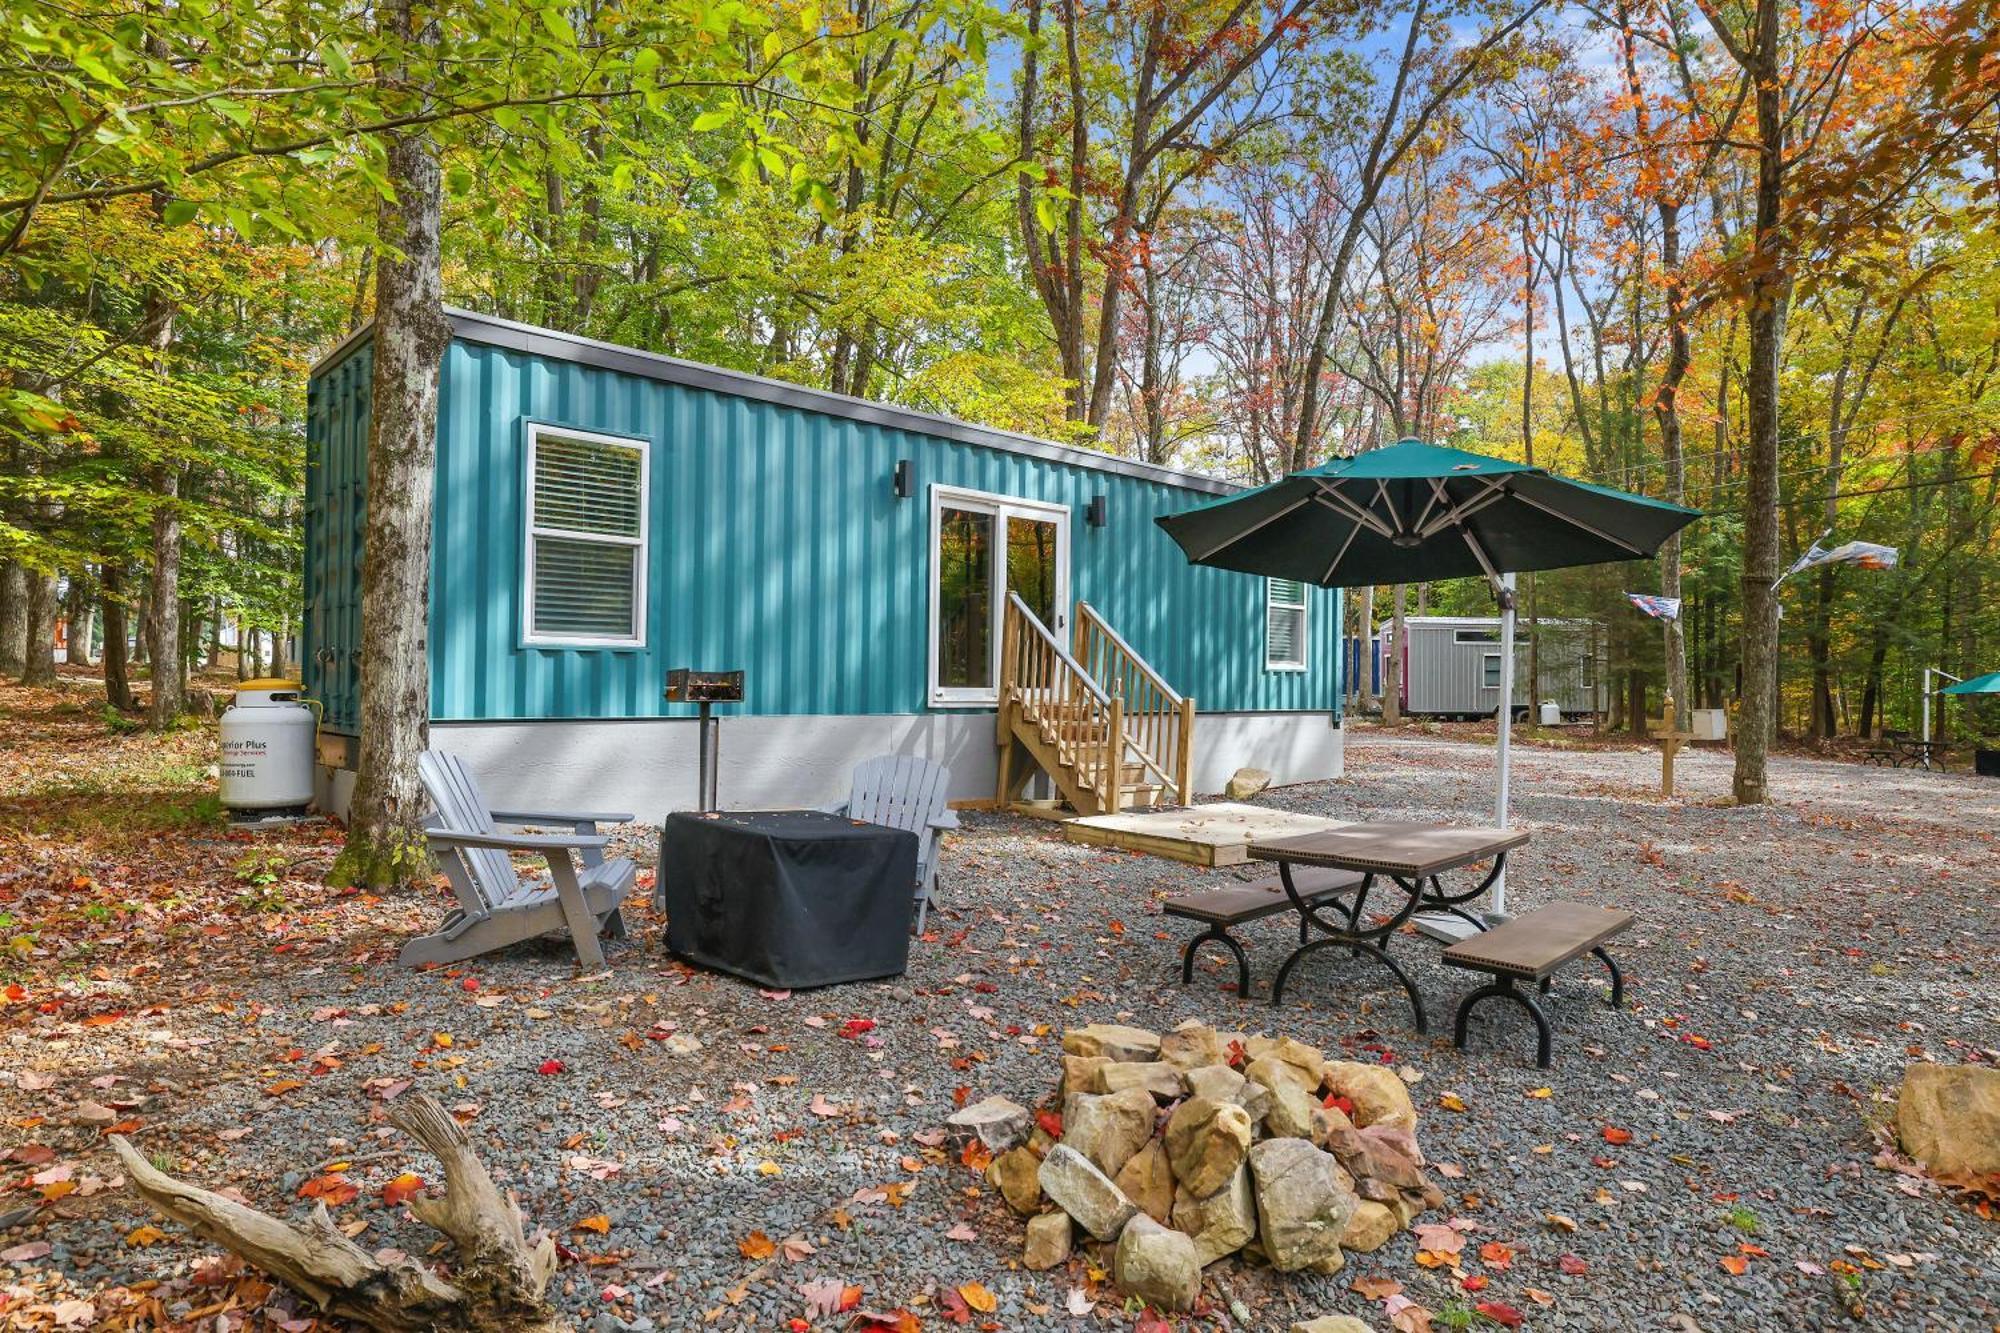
[(1203, 835)]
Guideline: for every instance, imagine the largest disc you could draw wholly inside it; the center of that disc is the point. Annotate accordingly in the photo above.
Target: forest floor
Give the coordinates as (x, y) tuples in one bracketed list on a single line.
[(711, 1155)]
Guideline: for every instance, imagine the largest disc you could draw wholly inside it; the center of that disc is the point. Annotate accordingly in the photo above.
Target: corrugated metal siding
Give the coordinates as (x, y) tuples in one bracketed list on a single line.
[(1445, 675), (337, 408), (778, 547)]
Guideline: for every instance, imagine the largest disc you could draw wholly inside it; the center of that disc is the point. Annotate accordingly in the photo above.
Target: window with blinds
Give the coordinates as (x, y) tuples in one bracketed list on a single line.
[(586, 538), (1284, 625)]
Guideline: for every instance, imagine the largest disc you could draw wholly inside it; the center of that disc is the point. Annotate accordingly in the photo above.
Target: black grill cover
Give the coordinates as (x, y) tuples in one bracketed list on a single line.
[(788, 898)]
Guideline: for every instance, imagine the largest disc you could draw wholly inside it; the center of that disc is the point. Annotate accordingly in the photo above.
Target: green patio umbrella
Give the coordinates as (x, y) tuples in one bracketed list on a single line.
[(1413, 512), (1986, 684)]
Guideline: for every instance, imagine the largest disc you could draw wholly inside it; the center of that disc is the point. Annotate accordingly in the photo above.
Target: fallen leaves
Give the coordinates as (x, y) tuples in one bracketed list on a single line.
[(978, 1297), (1613, 1134), (141, 1237), (332, 1189), (550, 1066), (599, 1223), (756, 1247), (397, 1192)]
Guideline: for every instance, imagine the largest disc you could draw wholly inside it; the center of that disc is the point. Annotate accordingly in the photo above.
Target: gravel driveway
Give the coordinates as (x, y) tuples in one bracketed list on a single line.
[(1788, 961)]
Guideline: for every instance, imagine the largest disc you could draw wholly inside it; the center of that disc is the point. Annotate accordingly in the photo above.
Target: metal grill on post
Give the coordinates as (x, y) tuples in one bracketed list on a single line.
[(707, 689)]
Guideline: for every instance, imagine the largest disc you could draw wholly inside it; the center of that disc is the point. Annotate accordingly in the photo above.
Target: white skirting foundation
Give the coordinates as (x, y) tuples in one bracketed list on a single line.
[(648, 766)]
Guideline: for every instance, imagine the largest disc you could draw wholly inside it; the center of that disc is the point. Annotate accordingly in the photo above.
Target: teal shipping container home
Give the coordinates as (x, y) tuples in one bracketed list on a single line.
[(887, 580)]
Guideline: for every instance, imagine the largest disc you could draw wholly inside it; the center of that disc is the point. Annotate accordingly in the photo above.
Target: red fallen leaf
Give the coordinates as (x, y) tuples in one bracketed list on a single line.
[(551, 1066), (1572, 1265), (333, 1189), (1504, 1315), (125, 1126), (1344, 1105), (1238, 1057), (953, 1307), (470, 983), (895, 1321), (15, 992), (1474, 1281), (1495, 1254), (398, 1191), (1605, 1162), (1051, 1123), (961, 1094), (854, 1027), (1613, 1134), (1152, 1323), (983, 987)]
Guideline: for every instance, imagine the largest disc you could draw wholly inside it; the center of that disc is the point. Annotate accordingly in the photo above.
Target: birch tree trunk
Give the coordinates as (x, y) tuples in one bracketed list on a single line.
[(1392, 698), (385, 844), (163, 603), (80, 610)]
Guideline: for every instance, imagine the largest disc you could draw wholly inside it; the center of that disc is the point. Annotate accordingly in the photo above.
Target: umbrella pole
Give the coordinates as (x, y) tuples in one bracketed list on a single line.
[(1505, 593)]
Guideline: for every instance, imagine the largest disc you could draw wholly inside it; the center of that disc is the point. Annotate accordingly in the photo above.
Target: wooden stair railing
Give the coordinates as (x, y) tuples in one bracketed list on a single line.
[(1099, 720), (1159, 723), (1073, 727)]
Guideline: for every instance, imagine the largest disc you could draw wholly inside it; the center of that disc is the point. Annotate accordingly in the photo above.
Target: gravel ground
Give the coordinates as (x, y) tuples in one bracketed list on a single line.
[(1787, 962)]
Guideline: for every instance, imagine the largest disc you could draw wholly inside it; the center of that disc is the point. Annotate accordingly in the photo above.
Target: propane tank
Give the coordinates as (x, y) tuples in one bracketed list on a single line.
[(267, 749)]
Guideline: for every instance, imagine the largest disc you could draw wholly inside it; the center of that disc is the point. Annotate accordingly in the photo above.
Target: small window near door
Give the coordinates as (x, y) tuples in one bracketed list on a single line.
[(586, 547), (1489, 671), (1284, 625), (965, 599)]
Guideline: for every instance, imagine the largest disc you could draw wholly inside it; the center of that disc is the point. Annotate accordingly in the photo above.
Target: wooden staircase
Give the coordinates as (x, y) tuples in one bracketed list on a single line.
[(1094, 716)]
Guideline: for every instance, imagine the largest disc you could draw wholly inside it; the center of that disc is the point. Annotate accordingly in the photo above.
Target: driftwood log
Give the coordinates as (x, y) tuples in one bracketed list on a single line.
[(499, 1279)]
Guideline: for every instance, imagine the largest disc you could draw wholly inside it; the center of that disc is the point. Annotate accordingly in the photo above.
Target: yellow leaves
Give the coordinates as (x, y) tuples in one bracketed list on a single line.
[(283, 1086), (398, 1191), (141, 1237), (1451, 1101), (1559, 1221), (441, 1040), (756, 1247), (1541, 1094), (599, 1223), (769, 1168), (978, 1297)]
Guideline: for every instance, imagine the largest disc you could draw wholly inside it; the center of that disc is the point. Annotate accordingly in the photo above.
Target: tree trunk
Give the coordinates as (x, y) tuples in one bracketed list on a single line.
[(39, 665), (1369, 697), (80, 611), (1666, 410), (13, 618), (163, 603), (117, 633), (385, 842)]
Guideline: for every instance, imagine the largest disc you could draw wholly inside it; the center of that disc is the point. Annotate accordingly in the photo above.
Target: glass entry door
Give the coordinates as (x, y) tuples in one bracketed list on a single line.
[(984, 547)]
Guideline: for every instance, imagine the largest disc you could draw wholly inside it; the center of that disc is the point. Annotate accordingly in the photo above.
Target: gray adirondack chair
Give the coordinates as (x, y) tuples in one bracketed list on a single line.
[(906, 792), (496, 907)]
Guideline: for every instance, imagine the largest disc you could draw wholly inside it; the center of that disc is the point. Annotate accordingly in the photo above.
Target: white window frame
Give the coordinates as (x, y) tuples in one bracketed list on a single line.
[(1484, 658), (1001, 507), (531, 530), (1302, 607)]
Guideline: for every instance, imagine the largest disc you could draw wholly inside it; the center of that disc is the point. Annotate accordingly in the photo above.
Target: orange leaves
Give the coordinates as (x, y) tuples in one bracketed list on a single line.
[(1735, 1264), (397, 1192), (978, 1297), (756, 1247), (141, 1237), (1613, 1134), (601, 1225), (283, 1086), (1496, 1255), (976, 1155), (332, 1189)]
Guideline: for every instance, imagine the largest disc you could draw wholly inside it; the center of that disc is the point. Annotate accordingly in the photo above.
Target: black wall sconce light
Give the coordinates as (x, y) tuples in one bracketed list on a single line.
[(905, 484), (1093, 514)]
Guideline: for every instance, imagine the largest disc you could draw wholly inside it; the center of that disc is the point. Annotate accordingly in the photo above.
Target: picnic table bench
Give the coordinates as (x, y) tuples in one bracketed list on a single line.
[(1239, 904), (1531, 948)]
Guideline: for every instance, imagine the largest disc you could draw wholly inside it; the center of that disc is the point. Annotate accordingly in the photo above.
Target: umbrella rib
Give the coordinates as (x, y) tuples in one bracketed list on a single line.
[(1388, 503), (1495, 492), (1333, 499), (1479, 554), (1260, 524), (1341, 554), (1574, 521)]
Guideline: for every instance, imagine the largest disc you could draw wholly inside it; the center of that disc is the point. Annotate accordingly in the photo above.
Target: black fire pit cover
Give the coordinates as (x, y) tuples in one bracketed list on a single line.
[(788, 898)]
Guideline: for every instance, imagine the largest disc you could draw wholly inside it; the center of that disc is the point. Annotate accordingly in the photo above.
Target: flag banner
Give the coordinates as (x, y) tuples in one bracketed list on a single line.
[(1862, 555), (1659, 608)]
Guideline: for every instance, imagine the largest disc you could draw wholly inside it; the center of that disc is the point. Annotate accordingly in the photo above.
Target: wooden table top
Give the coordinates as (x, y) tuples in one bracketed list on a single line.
[(1406, 850)]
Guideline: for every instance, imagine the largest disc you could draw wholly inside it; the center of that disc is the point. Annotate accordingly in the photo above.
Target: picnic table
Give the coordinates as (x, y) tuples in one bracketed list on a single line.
[(1904, 750), (1411, 856)]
